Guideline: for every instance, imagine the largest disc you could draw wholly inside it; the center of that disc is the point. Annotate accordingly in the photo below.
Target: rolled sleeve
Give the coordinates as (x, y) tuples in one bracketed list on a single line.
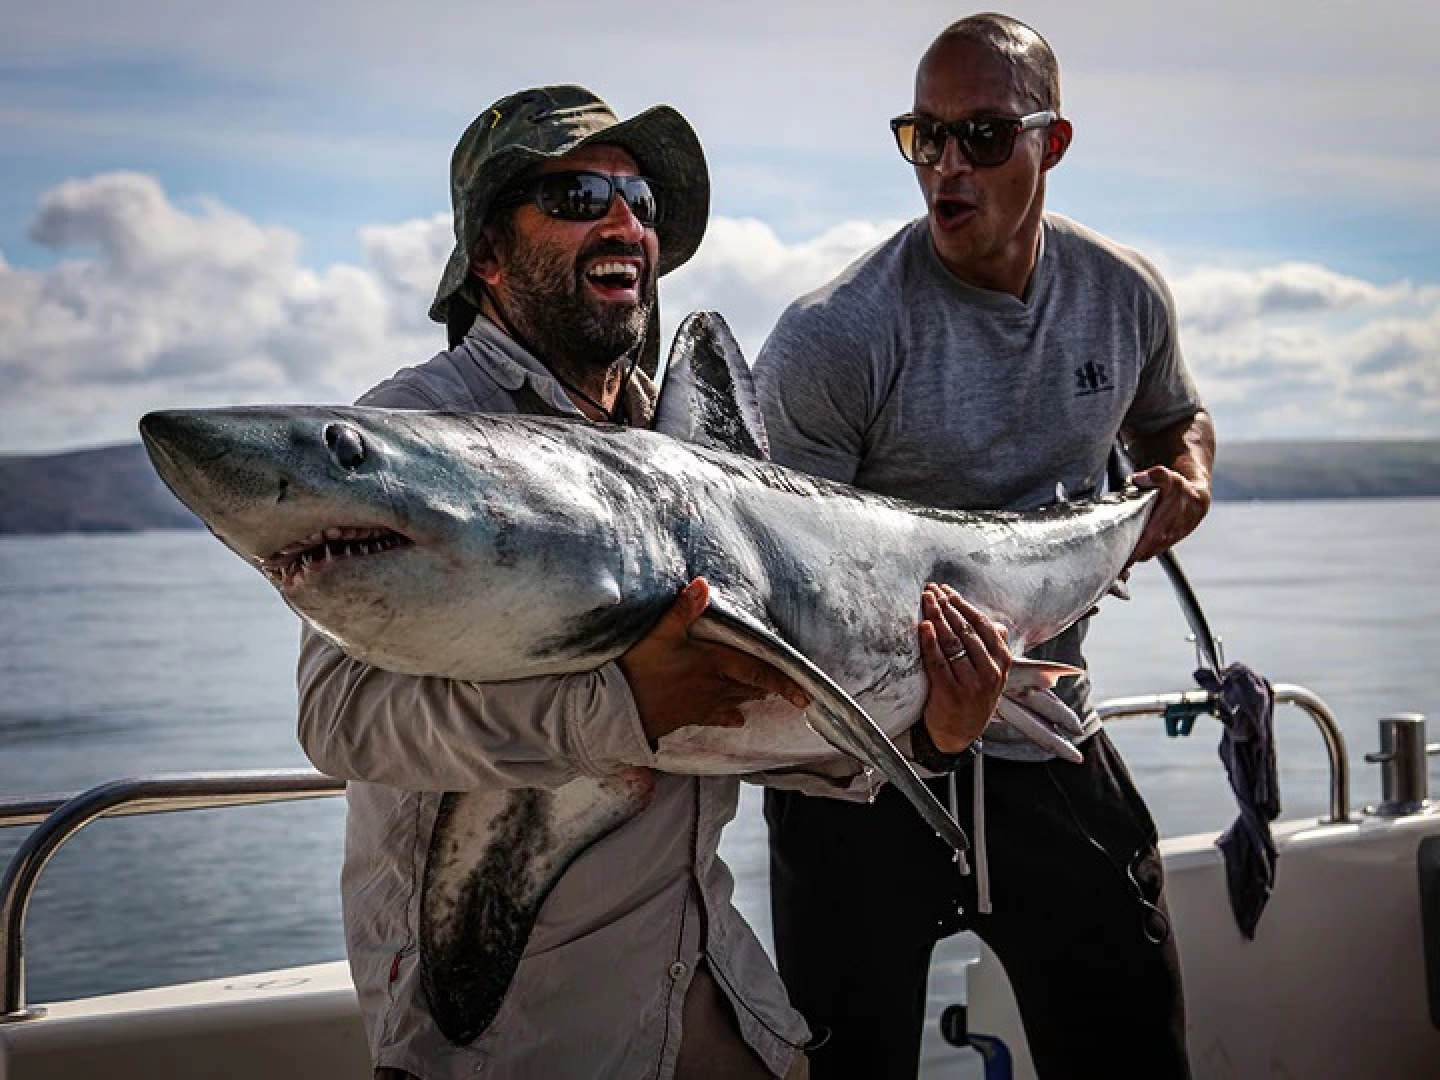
[(421, 733), (606, 733)]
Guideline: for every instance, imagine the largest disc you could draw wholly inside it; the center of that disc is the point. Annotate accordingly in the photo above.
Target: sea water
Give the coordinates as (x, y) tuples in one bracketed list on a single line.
[(160, 652)]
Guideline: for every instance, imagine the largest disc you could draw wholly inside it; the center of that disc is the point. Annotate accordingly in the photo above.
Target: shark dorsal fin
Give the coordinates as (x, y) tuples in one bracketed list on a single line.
[(708, 397)]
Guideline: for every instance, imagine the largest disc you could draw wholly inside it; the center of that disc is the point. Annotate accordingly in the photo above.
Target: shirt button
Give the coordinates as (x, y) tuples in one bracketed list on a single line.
[(677, 970)]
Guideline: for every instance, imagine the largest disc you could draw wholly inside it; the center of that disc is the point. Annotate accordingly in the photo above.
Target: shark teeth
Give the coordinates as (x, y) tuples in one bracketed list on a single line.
[(289, 566), (612, 269)]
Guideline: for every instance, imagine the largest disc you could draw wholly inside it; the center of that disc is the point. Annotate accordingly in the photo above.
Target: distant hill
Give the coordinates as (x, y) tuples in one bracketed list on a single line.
[(107, 489), (1328, 469), (114, 489)]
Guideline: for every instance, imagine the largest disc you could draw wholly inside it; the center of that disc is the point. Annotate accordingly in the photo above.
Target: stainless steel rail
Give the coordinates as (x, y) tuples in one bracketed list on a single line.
[(60, 817), (1285, 694)]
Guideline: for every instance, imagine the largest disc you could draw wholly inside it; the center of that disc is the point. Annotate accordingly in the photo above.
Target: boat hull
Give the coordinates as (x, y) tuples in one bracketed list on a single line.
[(1334, 984)]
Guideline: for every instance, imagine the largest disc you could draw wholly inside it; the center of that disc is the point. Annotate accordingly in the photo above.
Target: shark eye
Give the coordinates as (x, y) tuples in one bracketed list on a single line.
[(346, 445)]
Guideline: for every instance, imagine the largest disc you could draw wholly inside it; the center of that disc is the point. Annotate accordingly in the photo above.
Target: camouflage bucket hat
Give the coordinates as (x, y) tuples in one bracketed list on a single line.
[(521, 131)]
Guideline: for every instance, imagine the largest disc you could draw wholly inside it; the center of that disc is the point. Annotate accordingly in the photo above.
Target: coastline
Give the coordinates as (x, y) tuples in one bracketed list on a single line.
[(113, 489)]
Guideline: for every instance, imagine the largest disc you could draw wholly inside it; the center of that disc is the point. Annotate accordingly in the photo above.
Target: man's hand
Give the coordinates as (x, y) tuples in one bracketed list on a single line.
[(1180, 459), (967, 659), (1179, 509), (678, 681)]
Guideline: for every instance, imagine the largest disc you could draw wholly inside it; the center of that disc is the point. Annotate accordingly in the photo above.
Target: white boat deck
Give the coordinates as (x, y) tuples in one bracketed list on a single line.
[(1333, 986)]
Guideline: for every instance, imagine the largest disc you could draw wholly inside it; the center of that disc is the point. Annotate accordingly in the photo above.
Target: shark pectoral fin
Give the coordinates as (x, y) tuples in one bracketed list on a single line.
[(839, 719), (833, 714), (1036, 728), (494, 857)]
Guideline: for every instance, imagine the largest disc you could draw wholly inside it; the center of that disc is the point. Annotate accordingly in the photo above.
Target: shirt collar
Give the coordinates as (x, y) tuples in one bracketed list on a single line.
[(511, 366), (991, 299)]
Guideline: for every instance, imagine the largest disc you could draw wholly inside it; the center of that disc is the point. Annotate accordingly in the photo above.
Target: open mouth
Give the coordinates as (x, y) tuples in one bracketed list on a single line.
[(950, 211), (610, 276), (295, 563)]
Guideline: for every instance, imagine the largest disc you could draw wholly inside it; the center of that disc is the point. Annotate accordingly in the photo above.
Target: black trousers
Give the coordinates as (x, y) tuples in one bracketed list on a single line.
[(861, 893)]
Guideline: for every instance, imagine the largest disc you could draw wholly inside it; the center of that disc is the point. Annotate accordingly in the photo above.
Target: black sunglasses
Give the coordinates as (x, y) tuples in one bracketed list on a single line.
[(585, 196), (985, 142)]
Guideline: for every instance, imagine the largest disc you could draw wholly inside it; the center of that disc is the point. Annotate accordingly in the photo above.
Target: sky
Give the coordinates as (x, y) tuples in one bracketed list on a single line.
[(208, 204)]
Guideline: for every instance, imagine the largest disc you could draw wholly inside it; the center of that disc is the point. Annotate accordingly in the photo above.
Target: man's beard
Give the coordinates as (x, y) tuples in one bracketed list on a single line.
[(574, 333)]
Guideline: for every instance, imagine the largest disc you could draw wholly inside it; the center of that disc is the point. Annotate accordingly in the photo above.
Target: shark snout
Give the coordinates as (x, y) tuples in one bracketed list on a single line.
[(238, 446), (278, 482), (176, 436), (219, 462)]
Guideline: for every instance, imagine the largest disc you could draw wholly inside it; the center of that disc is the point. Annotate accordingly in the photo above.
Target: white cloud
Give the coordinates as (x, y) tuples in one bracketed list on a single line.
[(1214, 300), (407, 258), (1298, 349), (157, 304)]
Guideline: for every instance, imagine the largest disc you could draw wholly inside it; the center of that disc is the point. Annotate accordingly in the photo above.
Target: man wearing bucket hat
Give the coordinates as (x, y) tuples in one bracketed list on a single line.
[(523, 132), (638, 965)]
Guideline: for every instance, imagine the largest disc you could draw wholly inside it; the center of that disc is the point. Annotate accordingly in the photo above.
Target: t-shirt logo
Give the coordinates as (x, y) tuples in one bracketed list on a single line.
[(1092, 378)]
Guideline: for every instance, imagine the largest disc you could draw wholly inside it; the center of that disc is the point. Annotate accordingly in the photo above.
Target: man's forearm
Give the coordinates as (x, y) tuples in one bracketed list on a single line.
[(1176, 461), (1187, 447)]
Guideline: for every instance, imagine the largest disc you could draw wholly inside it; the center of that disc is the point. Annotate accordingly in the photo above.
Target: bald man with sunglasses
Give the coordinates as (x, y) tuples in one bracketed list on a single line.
[(987, 353)]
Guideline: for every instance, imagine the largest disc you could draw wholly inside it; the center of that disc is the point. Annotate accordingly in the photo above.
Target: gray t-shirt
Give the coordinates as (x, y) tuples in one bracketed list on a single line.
[(899, 378)]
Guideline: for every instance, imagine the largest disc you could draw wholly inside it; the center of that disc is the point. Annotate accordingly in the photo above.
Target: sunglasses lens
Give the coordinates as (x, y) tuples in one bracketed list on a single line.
[(984, 142), (989, 142), (640, 197), (921, 141), (574, 196)]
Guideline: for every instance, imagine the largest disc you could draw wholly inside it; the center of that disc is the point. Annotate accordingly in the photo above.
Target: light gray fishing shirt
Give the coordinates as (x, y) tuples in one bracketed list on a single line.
[(600, 988), (899, 378)]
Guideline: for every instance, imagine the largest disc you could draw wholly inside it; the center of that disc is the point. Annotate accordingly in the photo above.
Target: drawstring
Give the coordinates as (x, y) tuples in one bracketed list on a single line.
[(982, 861)]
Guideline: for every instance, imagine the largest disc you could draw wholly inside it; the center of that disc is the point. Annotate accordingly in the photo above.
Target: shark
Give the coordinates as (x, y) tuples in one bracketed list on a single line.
[(490, 547)]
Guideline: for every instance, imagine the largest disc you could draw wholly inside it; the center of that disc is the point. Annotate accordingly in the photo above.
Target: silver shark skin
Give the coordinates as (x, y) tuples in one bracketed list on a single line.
[(501, 547), (486, 547)]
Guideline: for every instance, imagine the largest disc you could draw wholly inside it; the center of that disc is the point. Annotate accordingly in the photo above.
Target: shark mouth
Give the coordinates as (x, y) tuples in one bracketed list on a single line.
[(293, 564)]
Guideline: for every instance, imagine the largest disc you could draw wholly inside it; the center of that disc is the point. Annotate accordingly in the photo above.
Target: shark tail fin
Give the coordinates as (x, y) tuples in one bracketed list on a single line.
[(494, 857)]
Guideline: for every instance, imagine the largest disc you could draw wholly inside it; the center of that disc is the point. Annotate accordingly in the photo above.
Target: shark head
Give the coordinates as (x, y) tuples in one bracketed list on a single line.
[(401, 536)]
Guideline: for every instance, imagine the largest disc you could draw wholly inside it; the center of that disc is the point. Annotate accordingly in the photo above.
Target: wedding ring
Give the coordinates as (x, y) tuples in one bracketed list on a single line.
[(955, 656)]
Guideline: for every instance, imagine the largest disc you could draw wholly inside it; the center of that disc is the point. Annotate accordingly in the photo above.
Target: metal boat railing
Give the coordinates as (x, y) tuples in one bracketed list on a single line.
[(1285, 694), (59, 817)]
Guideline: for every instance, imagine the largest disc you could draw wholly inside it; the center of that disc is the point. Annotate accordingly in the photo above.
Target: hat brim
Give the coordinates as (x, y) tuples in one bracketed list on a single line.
[(666, 150)]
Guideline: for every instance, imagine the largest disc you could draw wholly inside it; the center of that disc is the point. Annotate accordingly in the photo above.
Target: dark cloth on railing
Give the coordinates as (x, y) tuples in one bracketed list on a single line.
[(1245, 705)]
